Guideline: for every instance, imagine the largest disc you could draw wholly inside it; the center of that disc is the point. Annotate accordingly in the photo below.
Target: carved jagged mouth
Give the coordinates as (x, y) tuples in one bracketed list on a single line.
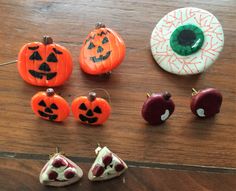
[(101, 57), (50, 117), (40, 75), (86, 119)]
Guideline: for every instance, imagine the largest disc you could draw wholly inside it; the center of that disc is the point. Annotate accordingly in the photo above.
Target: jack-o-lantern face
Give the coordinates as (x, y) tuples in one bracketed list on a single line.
[(50, 106), (102, 51), (44, 64), (91, 110)]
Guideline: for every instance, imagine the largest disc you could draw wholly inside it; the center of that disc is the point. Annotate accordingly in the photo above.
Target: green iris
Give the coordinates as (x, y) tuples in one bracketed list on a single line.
[(186, 39)]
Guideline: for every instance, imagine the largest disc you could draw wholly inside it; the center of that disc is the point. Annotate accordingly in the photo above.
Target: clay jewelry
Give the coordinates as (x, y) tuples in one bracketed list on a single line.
[(50, 106), (187, 41), (106, 166), (158, 108), (44, 63), (102, 51), (91, 109), (60, 171), (206, 103)]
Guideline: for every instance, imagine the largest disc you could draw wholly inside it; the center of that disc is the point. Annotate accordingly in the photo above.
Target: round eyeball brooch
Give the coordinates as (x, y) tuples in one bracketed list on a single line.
[(158, 108), (187, 41), (102, 51), (44, 63), (91, 109), (50, 106), (206, 103)]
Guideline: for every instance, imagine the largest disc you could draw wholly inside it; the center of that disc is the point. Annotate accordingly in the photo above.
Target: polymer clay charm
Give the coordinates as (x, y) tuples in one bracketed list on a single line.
[(158, 108), (206, 103), (106, 166), (50, 106), (187, 41), (91, 109), (60, 171), (44, 63), (102, 51)]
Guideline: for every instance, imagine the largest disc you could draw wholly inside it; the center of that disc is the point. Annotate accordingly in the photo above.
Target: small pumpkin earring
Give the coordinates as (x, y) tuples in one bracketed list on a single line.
[(44, 63), (107, 165), (206, 103), (158, 108), (60, 171), (102, 51), (91, 109), (50, 106)]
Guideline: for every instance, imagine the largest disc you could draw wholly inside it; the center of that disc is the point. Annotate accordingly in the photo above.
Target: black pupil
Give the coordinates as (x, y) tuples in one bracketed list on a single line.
[(186, 37)]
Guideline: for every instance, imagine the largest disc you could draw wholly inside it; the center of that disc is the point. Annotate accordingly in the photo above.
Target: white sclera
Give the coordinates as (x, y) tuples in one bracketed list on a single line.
[(198, 61)]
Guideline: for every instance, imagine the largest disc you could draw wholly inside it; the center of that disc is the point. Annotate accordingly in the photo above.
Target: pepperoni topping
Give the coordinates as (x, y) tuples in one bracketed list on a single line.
[(52, 175), (107, 159), (98, 170), (57, 163), (69, 174), (119, 167)]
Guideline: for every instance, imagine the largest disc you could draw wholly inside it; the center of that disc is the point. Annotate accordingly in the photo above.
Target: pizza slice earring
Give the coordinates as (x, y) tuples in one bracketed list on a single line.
[(206, 103), (187, 41), (158, 108), (91, 110), (50, 106), (60, 171), (107, 165)]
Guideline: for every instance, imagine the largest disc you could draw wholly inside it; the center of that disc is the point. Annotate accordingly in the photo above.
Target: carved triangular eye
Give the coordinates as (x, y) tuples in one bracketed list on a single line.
[(35, 56), (83, 106), (105, 40), (91, 45), (52, 58), (97, 110), (53, 106), (42, 103)]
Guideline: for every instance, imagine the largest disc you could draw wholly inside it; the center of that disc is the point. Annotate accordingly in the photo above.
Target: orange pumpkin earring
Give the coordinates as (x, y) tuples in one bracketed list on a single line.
[(91, 110), (44, 63), (50, 106), (102, 51)]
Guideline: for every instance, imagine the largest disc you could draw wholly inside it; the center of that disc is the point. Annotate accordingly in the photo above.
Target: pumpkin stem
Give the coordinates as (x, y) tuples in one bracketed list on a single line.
[(47, 40), (92, 96), (99, 25), (166, 95), (50, 92)]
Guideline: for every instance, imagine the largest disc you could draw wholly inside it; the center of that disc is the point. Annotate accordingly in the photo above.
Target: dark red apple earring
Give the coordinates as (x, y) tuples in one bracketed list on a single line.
[(158, 108), (206, 103)]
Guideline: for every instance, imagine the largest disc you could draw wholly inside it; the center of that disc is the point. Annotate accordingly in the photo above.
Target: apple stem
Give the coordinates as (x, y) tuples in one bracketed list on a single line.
[(148, 95), (166, 95)]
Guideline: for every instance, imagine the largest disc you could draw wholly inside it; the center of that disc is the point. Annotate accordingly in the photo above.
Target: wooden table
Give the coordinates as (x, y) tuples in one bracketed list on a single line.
[(183, 154)]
